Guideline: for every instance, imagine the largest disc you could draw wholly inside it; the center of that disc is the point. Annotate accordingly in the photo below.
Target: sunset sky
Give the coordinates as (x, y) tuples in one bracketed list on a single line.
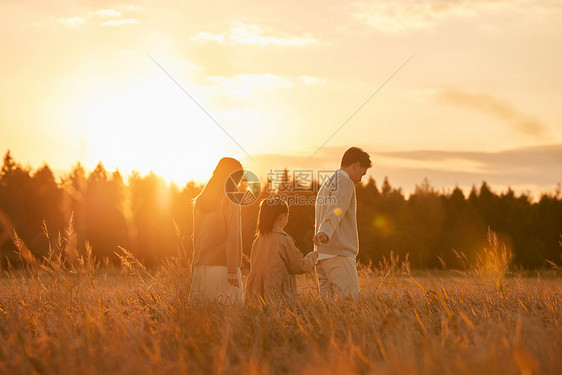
[(479, 99)]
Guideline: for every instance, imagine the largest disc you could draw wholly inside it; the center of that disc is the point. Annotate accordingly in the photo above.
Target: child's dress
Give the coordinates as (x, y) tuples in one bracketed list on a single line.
[(274, 262)]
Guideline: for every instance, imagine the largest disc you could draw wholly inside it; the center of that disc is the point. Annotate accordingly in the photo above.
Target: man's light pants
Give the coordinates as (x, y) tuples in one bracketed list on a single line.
[(337, 276)]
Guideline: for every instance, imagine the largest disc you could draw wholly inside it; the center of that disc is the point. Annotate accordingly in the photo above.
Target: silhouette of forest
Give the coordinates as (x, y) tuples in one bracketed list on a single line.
[(153, 219)]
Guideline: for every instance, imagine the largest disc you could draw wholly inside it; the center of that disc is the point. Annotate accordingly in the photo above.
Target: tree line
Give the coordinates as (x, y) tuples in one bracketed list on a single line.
[(153, 219)]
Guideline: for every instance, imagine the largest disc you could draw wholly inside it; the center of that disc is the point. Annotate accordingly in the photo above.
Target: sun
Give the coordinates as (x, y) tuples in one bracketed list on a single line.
[(147, 124)]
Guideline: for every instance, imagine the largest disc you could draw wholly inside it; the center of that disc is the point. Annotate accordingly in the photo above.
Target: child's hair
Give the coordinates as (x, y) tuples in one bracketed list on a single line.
[(270, 209)]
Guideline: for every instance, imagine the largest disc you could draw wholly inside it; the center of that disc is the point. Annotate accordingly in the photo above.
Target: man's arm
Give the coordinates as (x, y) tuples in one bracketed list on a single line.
[(335, 211)]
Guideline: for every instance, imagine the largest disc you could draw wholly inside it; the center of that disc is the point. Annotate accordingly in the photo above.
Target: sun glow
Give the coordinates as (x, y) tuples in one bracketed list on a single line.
[(150, 124)]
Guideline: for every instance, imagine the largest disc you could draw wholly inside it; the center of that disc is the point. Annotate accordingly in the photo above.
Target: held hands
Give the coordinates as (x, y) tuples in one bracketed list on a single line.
[(233, 279), (310, 260), (313, 255), (320, 238)]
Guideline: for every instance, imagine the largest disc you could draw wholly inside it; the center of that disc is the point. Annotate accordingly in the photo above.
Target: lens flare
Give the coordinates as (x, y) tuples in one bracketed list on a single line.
[(383, 225)]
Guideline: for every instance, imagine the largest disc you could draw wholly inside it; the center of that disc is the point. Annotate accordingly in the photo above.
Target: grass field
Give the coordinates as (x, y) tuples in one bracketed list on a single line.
[(84, 319)]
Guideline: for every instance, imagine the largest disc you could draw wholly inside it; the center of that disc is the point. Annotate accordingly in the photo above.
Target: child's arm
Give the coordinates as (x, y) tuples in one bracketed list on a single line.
[(293, 258)]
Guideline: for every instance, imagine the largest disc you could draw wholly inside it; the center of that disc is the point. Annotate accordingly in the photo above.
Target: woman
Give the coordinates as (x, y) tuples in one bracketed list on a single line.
[(217, 238)]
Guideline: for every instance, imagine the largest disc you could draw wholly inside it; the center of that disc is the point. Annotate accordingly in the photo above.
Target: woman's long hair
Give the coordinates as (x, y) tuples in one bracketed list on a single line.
[(270, 209), (224, 180)]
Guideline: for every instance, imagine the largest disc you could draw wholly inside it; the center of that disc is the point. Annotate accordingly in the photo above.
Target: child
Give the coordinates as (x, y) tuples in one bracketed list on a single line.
[(275, 259)]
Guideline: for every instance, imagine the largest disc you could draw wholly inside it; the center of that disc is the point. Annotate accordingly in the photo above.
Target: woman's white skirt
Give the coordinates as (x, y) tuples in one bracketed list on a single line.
[(209, 283)]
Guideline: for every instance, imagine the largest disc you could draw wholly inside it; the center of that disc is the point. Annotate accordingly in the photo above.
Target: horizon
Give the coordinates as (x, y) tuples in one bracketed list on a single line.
[(498, 189)]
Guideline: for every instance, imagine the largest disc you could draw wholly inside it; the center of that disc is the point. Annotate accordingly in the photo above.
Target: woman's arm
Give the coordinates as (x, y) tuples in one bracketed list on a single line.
[(233, 243)]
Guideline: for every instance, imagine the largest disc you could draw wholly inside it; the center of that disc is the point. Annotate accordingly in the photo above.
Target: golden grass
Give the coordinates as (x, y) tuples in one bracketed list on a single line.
[(112, 322), (69, 316)]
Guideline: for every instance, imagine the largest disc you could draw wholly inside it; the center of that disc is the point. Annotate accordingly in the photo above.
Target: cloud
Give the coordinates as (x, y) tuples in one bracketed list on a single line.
[(493, 106), (247, 84), (254, 35), (131, 7), (520, 166), (536, 169), (112, 16), (72, 22), (407, 15), (105, 13), (517, 159), (207, 37), (395, 16), (120, 22), (264, 81), (312, 81)]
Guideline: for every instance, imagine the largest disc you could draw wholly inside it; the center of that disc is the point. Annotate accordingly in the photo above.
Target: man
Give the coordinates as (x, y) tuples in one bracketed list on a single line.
[(336, 236)]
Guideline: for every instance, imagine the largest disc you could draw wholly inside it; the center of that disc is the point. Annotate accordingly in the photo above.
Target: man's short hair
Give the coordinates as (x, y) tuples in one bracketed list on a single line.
[(354, 155)]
